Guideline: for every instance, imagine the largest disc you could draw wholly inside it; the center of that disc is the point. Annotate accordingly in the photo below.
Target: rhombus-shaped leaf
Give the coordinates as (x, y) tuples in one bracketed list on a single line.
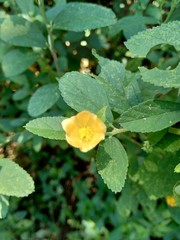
[(169, 33)]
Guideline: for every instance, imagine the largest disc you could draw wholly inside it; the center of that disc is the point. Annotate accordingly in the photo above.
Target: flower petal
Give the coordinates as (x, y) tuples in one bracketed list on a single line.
[(97, 138), (84, 131), (84, 118), (98, 126)]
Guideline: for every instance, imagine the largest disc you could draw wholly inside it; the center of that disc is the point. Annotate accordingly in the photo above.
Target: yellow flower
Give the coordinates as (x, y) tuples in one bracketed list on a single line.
[(170, 201), (84, 131)]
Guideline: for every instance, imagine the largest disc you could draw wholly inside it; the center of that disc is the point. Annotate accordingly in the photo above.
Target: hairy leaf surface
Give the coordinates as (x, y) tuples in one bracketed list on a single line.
[(82, 92), (82, 16), (157, 174), (43, 99), (17, 61), (121, 86), (163, 78), (47, 127), (141, 43), (20, 32), (14, 180), (151, 116), (112, 163)]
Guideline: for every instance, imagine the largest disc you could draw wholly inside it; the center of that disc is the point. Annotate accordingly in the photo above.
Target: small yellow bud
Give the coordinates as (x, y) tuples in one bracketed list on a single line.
[(170, 201)]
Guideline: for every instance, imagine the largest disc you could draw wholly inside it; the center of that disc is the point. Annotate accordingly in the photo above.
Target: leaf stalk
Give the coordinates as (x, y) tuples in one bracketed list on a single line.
[(116, 131)]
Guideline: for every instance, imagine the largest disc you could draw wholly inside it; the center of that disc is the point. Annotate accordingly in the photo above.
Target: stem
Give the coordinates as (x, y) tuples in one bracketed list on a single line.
[(173, 6), (116, 131), (161, 9), (50, 36), (132, 140), (174, 131)]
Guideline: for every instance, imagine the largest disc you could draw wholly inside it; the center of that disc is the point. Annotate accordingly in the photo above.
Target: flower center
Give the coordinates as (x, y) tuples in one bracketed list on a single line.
[(85, 134)]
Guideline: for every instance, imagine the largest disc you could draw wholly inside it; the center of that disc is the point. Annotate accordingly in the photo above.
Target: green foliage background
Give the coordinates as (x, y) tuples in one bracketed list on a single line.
[(130, 54)]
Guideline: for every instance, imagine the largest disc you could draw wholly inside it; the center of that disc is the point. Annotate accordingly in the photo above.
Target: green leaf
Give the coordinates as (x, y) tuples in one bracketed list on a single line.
[(149, 91), (131, 25), (37, 143), (47, 127), (151, 116), (102, 114), (17, 61), (82, 16), (26, 6), (20, 32), (163, 78), (54, 11), (21, 93), (21, 80), (177, 168), (175, 214), (3, 49), (4, 206), (3, 139), (121, 86), (170, 143), (43, 99), (155, 137), (127, 202), (112, 163), (140, 44), (14, 181), (82, 92), (157, 174), (176, 193)]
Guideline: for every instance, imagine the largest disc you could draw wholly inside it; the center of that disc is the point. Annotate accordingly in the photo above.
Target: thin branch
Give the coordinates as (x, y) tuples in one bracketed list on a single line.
[(173, 6), (50, 36)]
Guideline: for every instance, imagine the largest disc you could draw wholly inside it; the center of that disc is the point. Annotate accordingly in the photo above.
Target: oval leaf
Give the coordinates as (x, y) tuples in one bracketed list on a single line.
[(16, 62), (43, 99), (82, 16), (48, 127), (162, 78), (169, 33), (131, 25), (151, 116), (82, 92), (20, 32), (112, 164), (14, 180)]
